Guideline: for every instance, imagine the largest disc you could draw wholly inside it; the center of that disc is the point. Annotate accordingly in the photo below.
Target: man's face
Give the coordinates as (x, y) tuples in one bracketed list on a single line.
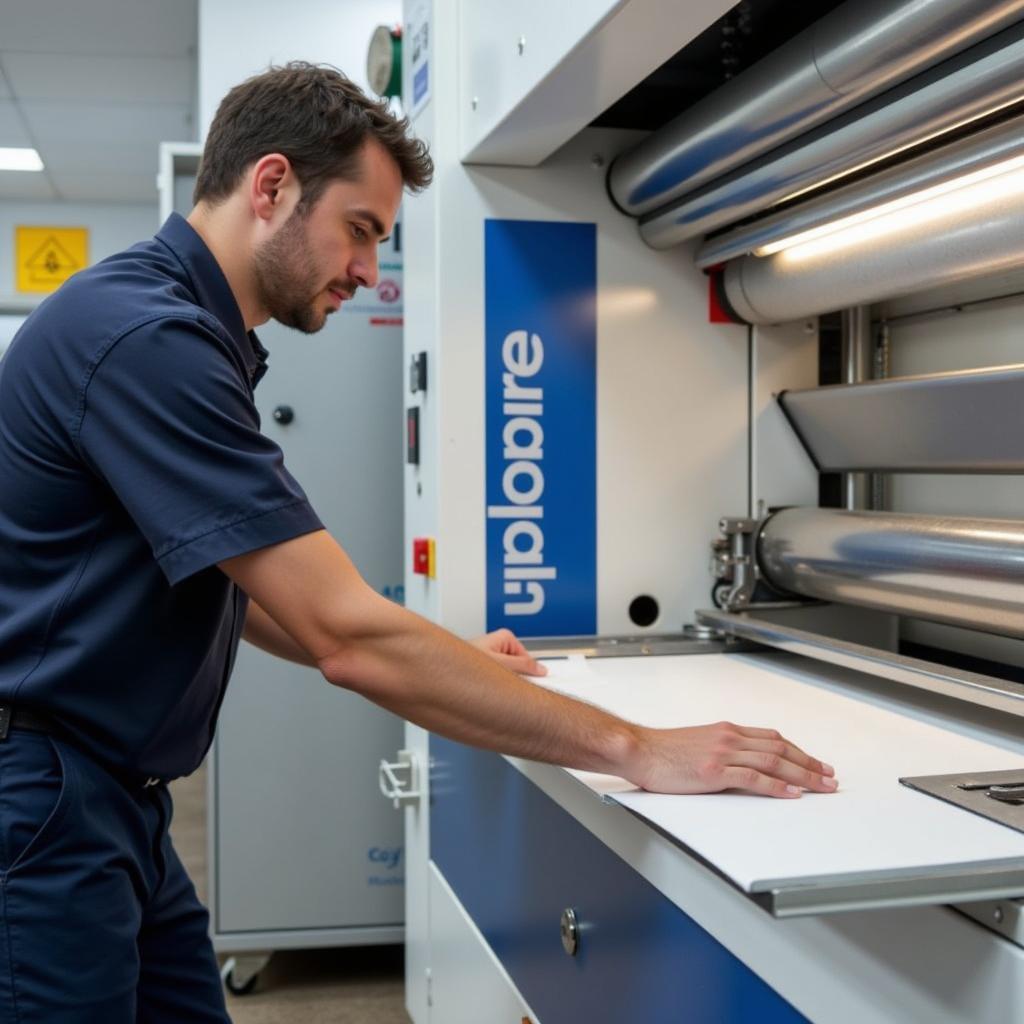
[(319, 257)]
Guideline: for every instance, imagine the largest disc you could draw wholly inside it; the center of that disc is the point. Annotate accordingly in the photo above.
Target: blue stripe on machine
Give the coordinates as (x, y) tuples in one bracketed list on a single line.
[(540, 393)]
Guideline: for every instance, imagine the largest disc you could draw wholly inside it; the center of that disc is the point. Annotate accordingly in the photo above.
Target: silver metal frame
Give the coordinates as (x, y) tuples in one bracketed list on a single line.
[(693, 640), (967, 883), (1006, 917), (972, 687)]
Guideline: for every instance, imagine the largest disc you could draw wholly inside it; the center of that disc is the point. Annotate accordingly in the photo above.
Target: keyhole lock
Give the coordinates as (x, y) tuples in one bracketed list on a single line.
[(284, 414)]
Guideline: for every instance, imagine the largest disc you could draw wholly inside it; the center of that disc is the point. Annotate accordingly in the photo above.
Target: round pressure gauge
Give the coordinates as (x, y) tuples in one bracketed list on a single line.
[(384, 61)]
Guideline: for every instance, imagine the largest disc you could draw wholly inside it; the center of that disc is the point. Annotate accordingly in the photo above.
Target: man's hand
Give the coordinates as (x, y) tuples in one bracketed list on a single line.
[(506, 649), (712, 758)]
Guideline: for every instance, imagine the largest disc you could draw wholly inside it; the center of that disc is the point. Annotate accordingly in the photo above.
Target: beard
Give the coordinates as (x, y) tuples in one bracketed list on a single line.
[(285, 273)]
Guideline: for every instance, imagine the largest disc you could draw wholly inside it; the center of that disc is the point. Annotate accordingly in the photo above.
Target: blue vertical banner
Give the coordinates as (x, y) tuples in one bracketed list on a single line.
[(540, 282)]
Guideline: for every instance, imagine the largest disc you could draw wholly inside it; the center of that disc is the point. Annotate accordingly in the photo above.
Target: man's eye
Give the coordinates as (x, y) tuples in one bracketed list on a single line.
[(359, 233)]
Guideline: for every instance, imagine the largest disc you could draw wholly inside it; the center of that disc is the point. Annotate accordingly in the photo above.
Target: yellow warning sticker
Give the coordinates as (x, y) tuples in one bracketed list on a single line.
[(44, 258)]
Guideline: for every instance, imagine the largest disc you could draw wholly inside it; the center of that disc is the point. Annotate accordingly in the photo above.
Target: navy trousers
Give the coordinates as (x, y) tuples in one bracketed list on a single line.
[(99, 923)]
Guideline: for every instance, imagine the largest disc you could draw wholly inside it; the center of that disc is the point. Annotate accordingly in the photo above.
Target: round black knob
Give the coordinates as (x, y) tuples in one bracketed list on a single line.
[(284, 414)]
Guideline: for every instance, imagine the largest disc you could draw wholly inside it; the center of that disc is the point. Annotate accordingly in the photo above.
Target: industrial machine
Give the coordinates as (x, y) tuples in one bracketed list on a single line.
[(748, 275)]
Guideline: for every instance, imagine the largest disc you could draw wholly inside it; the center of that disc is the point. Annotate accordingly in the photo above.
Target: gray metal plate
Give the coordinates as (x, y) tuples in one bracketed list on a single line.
[(952, 789), (963, 422)]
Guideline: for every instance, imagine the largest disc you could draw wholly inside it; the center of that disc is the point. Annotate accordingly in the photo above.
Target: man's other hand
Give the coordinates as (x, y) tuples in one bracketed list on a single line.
[(506, 649)]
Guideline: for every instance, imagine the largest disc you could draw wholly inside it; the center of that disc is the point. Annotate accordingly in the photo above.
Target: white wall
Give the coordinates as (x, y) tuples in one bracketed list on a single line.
[(239, 38), (112, 227)]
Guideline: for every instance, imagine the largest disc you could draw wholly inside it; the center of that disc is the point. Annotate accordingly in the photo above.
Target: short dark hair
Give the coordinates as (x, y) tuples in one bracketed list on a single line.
[(315, 116)]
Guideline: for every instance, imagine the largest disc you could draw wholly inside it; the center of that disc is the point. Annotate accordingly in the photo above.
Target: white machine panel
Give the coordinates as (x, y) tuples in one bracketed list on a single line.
[(671, 397), (534, 73)]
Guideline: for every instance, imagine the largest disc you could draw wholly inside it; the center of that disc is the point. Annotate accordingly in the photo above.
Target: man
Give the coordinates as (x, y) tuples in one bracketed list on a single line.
[(146, 524)]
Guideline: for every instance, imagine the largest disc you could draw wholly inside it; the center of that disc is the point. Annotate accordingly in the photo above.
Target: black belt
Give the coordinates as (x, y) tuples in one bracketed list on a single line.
[(23, 718)]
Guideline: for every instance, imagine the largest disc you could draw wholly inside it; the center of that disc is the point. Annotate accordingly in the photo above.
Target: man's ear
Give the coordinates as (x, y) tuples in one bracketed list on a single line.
[(271, 177)]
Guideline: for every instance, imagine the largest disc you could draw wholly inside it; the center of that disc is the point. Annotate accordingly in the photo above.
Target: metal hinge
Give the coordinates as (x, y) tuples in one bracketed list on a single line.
[(1005, 917)]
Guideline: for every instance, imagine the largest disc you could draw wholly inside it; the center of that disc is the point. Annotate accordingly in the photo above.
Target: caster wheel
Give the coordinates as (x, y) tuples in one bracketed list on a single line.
[(239, 990), (240, 974)]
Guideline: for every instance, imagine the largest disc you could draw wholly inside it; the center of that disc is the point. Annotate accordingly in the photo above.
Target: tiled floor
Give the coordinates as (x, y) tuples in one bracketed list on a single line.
[(335, 986)]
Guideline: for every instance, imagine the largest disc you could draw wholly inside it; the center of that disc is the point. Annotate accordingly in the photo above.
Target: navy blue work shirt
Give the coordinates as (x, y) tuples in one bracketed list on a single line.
[(131, 462)]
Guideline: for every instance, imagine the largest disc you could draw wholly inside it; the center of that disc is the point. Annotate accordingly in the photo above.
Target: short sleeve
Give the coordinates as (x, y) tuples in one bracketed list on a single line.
[(168, 422)]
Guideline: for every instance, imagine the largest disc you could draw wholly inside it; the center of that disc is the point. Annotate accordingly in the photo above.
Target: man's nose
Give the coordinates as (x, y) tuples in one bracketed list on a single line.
[(365, 271)]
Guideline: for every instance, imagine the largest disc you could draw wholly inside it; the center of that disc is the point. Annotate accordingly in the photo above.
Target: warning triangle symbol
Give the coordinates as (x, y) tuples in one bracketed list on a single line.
[(51, 260)]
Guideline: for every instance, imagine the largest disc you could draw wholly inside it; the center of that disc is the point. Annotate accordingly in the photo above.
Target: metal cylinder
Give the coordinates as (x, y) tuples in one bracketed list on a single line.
[(965, 572), (931, 170), (963, 89), (855, 51), (966, 235)]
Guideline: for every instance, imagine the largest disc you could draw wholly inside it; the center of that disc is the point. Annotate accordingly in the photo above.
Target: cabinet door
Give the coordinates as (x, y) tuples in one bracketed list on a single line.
[(467, 979), (302, 838)]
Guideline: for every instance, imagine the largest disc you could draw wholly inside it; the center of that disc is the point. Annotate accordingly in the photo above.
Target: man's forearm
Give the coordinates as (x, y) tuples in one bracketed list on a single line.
[(263, 632), (432, 678)]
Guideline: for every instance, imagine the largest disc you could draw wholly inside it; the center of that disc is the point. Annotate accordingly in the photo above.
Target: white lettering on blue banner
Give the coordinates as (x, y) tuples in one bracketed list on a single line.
[(540, 427)]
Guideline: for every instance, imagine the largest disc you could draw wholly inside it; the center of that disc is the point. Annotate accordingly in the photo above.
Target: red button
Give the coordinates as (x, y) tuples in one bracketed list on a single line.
[(423, 556)]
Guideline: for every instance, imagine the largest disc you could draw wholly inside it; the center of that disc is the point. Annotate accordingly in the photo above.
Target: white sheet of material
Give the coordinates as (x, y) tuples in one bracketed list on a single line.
[(872, 826)]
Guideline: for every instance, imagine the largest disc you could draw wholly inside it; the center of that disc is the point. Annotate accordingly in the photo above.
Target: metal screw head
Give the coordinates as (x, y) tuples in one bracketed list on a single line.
[(419, 489), (597, 161), (522, 45), (474, 102), (810, 327), (997, 915)]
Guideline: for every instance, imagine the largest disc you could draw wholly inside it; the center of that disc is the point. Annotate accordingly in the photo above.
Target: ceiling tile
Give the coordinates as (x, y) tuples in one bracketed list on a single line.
[(15, 185), (97, 124), (114, 27), (12, 128), (108, 188), (52, 76), (125, 156)]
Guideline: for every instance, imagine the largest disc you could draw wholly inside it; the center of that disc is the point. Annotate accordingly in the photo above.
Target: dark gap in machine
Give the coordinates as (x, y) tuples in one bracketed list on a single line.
[(830, 371), (740, 38), (967, 662)]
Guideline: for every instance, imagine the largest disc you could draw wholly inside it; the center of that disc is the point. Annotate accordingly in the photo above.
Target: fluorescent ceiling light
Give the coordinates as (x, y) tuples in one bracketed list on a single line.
[(19, 160), (962, 192)]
